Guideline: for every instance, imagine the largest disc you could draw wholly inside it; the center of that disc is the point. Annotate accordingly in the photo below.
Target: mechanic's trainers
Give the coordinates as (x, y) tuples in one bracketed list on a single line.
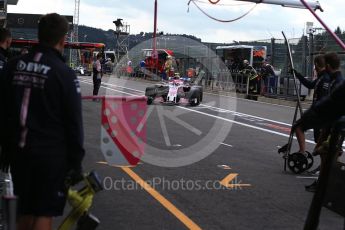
[(312, 187)]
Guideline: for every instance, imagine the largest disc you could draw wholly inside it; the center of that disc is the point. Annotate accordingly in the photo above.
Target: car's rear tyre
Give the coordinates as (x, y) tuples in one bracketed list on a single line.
[(164, 98), (151, 91), (178, 99)]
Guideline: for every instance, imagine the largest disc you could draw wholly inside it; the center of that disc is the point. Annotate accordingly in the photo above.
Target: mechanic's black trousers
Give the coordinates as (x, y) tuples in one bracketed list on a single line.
[(96, 85)]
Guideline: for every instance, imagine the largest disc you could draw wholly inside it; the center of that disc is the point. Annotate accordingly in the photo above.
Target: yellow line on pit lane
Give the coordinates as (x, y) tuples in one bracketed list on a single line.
[(167, 204)]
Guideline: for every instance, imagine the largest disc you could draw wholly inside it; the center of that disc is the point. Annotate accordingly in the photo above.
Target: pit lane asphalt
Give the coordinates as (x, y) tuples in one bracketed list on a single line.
[(275, 200)]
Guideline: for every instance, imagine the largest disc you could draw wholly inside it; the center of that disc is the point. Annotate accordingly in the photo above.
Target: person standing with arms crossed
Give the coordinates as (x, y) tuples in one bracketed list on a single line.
[(43, 126)]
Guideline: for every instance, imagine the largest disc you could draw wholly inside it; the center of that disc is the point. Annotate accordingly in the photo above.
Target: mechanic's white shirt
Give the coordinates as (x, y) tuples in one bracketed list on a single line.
[(98, 65)]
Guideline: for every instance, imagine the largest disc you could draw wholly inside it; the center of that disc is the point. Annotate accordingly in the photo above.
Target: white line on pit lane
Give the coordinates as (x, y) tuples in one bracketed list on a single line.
[(227, 167), (307, 177), (247, 100), (245, 115), (225, 144), (106, 83), (242, 99), (243, 124), (89, 83), (217, 117), (212, 107)]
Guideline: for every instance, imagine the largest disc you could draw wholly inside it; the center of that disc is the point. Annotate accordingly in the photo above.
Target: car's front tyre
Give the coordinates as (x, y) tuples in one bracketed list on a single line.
[(194, 101), (150, 100)]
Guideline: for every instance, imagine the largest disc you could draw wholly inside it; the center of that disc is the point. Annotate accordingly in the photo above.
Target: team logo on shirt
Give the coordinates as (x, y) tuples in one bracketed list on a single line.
[(33, 67), (21, 65)]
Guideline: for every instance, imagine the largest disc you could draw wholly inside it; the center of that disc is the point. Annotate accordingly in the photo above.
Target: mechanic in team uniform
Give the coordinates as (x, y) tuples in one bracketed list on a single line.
[(97, 74), (309, 120), (43, 123), (321, 85), (332, 62), (5, 43)]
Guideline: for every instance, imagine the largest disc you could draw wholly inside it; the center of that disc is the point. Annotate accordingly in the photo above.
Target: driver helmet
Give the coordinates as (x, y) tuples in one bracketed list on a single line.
[(245, 62), (176, 76)]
